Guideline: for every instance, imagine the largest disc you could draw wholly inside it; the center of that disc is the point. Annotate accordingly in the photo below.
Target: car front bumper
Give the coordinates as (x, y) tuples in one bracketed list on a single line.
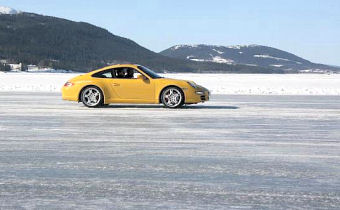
[(197, 96)]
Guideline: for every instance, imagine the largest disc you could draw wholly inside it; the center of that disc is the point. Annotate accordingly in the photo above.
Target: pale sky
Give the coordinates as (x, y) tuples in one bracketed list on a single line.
[(307, 28)]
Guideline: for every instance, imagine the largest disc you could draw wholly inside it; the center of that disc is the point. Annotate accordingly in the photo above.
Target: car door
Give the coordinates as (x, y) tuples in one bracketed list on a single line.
[(132, 87), (105, 77)]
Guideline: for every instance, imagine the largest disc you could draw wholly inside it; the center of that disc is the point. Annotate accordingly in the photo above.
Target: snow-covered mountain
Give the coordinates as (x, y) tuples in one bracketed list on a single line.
[(8, 11), (252, 55)]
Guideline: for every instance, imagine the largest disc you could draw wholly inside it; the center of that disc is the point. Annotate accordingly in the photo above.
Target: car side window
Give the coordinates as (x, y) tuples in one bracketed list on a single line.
[(103, 74), (125, 73)]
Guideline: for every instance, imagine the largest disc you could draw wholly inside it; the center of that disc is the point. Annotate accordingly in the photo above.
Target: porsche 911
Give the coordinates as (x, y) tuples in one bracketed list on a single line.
[(131, 83)]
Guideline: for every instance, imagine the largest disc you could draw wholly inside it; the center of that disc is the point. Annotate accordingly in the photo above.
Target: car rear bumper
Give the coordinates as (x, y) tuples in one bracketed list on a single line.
[(69, 93)]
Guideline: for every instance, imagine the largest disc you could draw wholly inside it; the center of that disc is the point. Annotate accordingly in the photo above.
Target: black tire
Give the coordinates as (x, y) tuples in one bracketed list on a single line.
[(92, 97), (172, 97)]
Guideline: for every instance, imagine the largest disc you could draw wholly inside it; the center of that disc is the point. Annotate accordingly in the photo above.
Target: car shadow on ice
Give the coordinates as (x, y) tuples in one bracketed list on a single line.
[(210, 107), (141, 106)]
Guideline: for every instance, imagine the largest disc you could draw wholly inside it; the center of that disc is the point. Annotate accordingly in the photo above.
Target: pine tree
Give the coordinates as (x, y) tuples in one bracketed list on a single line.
[(4, 67)]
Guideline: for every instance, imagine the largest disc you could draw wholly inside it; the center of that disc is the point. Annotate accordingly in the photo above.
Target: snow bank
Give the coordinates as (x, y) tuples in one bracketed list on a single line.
[(246, 84), (267, 84), (36, 82)]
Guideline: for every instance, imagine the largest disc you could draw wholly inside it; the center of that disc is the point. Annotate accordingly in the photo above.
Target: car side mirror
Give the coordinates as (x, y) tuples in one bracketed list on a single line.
[(140, 76)]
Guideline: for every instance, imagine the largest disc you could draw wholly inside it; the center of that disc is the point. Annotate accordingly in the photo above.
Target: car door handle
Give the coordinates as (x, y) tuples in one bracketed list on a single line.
[(116, 84)]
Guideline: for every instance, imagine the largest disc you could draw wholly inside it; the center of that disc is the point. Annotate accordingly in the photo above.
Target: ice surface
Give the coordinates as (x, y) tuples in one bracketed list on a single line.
[(234, 152), (245, 84)]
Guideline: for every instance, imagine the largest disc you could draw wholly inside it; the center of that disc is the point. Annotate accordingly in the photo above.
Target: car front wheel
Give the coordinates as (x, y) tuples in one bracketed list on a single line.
[(92, 97), (172, 97)]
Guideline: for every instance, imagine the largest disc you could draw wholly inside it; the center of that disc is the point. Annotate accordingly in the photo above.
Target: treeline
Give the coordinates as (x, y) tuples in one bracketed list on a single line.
[(4, 67)]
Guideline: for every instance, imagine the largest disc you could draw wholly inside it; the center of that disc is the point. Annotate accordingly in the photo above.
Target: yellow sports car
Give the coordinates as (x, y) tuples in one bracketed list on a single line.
[(130, 83)]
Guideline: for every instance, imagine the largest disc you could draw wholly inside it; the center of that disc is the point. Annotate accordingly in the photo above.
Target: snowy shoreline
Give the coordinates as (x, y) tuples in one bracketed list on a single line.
[(233, 84)]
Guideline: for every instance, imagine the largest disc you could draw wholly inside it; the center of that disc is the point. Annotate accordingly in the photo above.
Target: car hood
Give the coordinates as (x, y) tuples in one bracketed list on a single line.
[(170, 79), (176, 80), (199, 87)]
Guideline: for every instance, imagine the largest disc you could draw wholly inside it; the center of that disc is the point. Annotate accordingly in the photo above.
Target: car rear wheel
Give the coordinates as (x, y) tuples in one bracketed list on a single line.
[(172, 97), (92, 97)]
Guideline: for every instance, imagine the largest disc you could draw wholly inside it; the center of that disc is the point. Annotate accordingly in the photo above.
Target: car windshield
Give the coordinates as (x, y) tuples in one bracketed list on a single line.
[(149, 72)]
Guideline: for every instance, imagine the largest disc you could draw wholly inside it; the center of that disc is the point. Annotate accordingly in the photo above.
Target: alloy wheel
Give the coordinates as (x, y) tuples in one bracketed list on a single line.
[(91, 97)]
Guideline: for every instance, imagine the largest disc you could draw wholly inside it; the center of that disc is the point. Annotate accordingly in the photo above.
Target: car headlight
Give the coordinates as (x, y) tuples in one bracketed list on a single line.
[(192, 85)]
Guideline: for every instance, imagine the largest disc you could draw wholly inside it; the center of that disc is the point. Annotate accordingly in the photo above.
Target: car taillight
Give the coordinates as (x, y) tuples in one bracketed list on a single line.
[(68, 84)]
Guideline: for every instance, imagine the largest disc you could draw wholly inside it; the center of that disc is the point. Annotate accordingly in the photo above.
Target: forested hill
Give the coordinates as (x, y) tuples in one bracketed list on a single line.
[(59, 43)]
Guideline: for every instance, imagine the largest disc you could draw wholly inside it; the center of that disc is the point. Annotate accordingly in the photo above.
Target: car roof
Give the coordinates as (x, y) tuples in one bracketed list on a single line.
[(114, 66)]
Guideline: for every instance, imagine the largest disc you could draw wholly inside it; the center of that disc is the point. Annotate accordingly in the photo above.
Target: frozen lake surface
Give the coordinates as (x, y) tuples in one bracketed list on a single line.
[(235, 152)]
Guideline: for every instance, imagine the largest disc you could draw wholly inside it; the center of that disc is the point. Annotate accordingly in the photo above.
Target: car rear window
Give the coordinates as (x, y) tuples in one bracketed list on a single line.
[(103, 74)]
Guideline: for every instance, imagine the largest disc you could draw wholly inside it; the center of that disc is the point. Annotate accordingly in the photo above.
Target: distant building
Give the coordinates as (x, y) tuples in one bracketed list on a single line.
[(32, 67), (3, 61), (15, 67)]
